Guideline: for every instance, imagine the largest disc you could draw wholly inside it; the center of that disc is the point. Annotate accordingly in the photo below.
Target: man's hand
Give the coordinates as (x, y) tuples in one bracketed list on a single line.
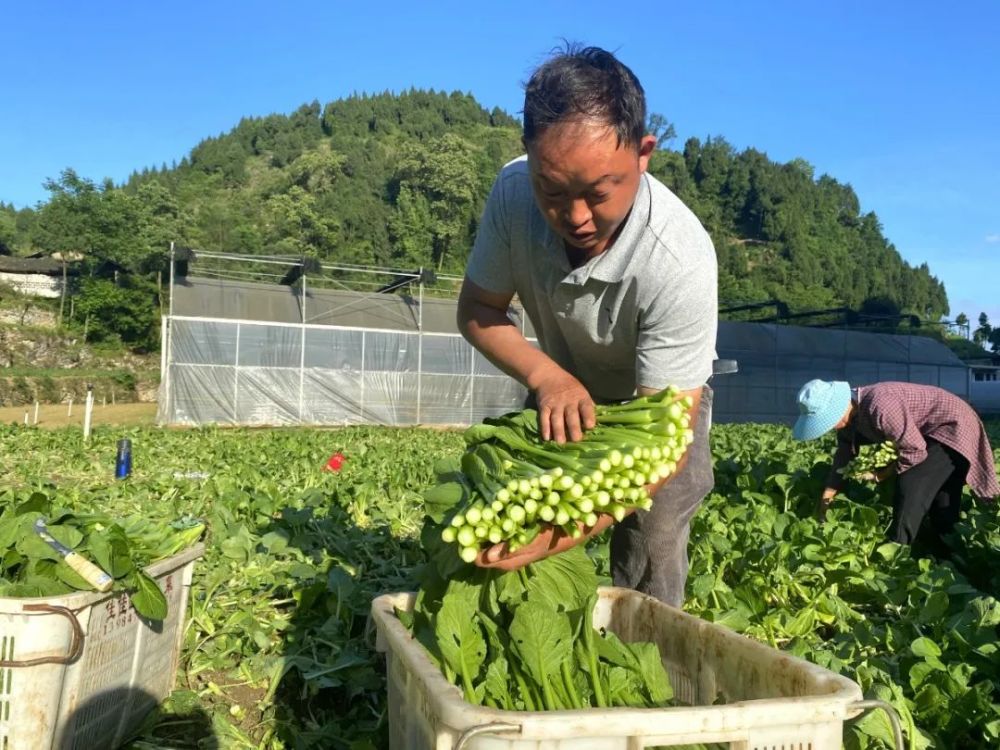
[(565, 409)]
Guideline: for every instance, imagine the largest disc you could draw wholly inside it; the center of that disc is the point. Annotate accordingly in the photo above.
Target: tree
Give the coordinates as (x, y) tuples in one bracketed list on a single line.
[(982, 334), (104, 223), (125, 311), (411, 228), (994, 340), (444, 174), (660, 127), (316, 170), (293, 224), (962, 321), (8, 232)]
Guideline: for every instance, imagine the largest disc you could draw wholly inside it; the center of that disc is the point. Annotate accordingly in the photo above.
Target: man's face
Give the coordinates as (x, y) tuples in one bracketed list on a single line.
[(585, 183)]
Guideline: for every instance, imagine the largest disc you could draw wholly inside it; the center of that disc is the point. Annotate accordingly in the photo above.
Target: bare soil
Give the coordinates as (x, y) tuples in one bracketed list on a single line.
[(59, 415)]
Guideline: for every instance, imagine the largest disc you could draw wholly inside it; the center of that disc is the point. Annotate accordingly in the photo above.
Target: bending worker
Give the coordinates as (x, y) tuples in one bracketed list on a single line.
[(939, 439), (618, 278)]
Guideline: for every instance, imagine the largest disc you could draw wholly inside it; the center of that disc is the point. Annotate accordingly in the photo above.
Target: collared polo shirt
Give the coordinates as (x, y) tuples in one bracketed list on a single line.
[(642, 313)]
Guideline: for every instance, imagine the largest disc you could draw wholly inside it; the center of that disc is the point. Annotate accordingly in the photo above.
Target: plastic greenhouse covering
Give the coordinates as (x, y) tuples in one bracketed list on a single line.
[(240, 354), (248, 373)]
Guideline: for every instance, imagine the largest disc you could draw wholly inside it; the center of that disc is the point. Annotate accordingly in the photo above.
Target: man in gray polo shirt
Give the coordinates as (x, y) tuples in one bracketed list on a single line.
[(618, 278)]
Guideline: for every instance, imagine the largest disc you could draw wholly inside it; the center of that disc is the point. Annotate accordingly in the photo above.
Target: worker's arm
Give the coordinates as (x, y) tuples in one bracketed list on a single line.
[(565, 409)]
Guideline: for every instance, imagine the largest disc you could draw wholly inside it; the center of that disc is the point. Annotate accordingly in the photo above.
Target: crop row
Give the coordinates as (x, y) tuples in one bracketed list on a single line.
[(278, 654)]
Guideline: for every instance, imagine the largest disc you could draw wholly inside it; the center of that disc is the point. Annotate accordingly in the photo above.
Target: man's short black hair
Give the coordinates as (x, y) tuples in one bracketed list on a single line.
[(585, 83)]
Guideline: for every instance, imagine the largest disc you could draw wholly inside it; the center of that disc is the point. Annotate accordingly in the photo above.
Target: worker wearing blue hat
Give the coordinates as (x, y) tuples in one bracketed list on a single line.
[(939, 439)]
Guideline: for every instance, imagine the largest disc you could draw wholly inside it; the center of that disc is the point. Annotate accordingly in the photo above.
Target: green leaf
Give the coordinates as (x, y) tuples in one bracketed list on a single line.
[(924, 647), (934, 608), (110, 550), (565, 581), (876, 724), (442, 498), (406, 617), (339, 582), (8, 529), (888, 550), (541, 638), (147, 598), (496, 683), (238, 546), (40, 585), (509, 589), (737, 618), (703, 586), (302, 572), (987, 611), (71, 578), (34, 547), (918, 673), (813, 552), (614, 651), (802, 623), (929, 699), (275, 542), (623, 688), (458, 635), (653, 675), (38, 503), (66, 535)]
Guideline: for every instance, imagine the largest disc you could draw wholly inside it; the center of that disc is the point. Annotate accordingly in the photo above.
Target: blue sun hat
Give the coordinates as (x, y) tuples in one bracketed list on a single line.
[(822, 404)]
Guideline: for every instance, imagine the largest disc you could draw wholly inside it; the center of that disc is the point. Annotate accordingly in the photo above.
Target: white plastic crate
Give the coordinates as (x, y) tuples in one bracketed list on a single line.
[(768, 700), (82, 670)]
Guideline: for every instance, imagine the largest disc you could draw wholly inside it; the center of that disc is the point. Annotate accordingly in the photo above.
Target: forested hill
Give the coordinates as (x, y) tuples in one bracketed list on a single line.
[(400, 179)]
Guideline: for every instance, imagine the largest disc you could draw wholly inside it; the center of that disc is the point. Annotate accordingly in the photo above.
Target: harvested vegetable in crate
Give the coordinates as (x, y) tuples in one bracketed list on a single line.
[(524, 640), (120, 547)]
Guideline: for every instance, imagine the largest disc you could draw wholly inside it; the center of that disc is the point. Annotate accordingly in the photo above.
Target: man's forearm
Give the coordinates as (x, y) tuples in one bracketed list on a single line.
[(494, 334)]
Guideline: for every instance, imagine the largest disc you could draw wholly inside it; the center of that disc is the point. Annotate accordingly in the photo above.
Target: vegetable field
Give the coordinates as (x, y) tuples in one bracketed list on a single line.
[(278, 653)]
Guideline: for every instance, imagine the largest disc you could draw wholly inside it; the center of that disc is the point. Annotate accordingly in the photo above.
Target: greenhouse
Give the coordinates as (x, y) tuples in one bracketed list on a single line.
[(356, 345)]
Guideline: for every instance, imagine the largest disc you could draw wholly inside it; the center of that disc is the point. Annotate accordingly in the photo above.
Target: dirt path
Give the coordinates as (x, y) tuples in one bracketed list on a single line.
[(57, 415)]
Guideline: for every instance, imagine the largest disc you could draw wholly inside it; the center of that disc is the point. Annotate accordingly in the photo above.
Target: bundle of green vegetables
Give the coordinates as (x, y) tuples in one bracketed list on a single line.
[(32, 567), (514, 483), (525, 640), (870, 458)]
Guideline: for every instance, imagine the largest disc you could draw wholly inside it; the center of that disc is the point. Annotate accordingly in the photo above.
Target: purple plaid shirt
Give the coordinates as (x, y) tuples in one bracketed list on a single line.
[(909, 415)]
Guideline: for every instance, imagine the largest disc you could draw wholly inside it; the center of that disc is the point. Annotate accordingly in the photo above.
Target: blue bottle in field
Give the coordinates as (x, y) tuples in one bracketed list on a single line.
[(123, 462)]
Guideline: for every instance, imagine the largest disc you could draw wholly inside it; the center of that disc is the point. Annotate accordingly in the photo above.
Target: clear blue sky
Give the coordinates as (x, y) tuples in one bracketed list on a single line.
[(899, 99)]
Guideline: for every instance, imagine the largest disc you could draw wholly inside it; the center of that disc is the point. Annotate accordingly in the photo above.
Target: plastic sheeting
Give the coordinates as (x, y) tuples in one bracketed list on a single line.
[(776, 360), (229, 371), (251, 373)]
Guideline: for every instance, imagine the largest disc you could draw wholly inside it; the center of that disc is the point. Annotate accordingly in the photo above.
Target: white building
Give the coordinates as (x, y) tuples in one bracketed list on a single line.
[(35, 277)]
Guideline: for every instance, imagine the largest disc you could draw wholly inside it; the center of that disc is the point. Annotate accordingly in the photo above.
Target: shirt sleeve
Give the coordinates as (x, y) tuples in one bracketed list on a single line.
[(489, 263), (676, 341), (891, 417)]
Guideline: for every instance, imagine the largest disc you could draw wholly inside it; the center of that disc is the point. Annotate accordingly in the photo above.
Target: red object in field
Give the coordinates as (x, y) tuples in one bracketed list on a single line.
[(335, 463)]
